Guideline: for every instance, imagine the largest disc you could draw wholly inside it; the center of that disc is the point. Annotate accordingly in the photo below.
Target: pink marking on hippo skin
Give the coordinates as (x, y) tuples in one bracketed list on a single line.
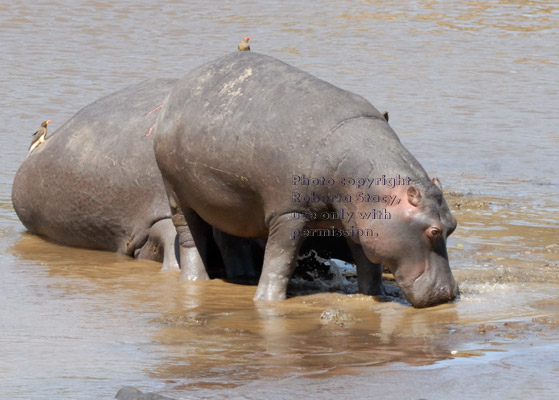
[(395, 235), (151, 129), (414, 196), (155, 109), (401, 203)]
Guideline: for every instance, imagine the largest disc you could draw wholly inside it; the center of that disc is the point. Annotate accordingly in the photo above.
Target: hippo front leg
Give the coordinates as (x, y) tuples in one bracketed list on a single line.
[(369, 274), (280, 257)]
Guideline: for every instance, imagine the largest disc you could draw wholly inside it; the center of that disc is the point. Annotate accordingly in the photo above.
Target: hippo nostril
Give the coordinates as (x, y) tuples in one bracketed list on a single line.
[(450, 292), (445, 292)]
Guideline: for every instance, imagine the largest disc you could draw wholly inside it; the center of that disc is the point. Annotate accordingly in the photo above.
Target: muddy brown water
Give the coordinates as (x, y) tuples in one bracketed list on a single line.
[(472, 90)]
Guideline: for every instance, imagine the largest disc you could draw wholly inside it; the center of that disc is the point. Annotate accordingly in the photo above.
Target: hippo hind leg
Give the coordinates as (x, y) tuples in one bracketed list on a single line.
[(193, 237), (161, 245)]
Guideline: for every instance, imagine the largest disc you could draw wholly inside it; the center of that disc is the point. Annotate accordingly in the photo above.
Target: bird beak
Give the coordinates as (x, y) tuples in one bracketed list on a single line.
[(46, 123), (247, 38)]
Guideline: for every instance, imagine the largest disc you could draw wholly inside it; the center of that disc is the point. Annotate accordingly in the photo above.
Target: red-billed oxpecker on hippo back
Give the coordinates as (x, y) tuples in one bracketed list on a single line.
[(244, 46)]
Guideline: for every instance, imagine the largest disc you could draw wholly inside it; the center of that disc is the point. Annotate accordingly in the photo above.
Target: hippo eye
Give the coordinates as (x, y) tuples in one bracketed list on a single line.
[(435, 232)]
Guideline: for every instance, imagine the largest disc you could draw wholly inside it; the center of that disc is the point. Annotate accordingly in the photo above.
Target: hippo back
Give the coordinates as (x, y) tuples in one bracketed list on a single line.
[(233, 132), (94, 183)]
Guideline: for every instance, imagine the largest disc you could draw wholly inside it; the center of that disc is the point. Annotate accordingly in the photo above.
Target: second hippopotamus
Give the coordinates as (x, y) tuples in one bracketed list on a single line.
[(94, 183)]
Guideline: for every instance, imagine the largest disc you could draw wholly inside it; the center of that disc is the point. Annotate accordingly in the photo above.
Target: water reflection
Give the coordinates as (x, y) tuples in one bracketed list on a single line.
[(324, 334), (212, 330)]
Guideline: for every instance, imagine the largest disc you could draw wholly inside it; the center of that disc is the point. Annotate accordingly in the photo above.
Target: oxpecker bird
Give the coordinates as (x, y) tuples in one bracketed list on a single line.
[(39, 136), (244, 46)]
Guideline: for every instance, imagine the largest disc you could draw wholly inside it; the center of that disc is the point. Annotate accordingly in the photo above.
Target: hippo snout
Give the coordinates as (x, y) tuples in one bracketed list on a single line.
[(427, 293)]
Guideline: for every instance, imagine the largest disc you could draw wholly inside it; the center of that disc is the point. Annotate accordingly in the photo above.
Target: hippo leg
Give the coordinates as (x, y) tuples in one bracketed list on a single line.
[(194, 234), (160, 245), (280, 257), (369, 274)]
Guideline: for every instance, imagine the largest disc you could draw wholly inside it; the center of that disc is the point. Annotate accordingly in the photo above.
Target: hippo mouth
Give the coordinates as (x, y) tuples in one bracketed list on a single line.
[(436, 285), (427, 295)]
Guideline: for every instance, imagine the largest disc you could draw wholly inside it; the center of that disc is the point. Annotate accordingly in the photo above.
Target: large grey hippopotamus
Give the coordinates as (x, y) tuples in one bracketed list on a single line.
[(95, 184), (258, 148)]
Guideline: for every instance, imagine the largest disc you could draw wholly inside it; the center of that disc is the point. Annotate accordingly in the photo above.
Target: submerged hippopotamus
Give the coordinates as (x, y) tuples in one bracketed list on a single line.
[(94, 183), (258, 148)]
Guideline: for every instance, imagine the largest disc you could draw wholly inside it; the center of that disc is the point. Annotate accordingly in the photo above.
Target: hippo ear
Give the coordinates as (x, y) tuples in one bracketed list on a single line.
[(414, 196), (437, 183), (385, 115)]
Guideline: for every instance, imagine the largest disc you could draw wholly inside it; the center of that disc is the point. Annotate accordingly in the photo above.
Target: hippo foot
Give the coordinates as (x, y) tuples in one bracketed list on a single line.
[(192, 265), (268, 297), (376, 289), (170, 265), (186, 276), (272, 291)]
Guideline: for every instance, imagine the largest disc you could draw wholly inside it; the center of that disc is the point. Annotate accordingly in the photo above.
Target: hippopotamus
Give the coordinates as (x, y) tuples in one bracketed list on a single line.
[(260, 149), (94, 182)]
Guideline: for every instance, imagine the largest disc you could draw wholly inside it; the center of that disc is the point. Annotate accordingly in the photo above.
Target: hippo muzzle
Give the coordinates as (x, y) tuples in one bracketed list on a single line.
[(436, 285)]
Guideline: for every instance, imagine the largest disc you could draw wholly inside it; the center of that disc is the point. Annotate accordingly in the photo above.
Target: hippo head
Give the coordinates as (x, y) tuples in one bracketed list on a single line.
[(412, 244)]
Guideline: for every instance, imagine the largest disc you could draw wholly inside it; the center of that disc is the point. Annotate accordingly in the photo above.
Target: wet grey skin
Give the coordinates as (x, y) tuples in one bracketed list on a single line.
[(94, 183), (232, 135)]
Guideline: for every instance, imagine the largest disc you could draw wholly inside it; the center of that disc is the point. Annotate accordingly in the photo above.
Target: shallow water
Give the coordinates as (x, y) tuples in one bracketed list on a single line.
[(472, 91)]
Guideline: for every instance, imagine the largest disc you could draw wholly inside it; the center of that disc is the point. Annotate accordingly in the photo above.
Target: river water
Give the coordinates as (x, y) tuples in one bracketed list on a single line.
[(472, 90)]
